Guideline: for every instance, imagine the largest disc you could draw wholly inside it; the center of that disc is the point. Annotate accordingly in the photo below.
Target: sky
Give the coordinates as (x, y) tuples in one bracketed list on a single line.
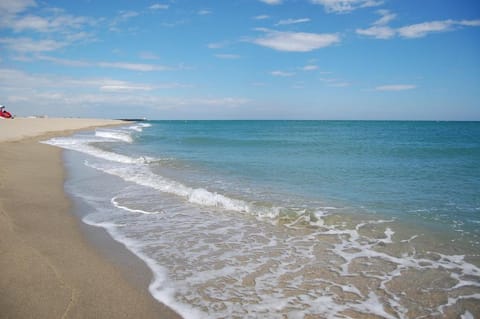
[(242, 59)]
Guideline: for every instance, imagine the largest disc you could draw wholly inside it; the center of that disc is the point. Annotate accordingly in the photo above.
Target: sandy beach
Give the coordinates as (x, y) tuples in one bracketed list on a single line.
[(49, 269)]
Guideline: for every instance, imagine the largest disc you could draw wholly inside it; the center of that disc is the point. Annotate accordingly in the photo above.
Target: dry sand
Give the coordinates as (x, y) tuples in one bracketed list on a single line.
[(19, 128), (48, 268)]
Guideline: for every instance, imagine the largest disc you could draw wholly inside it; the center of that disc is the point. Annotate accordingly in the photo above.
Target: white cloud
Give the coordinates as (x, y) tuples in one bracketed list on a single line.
[(65, 62), (261, 17), (159, 6), (345, 6), (11, 78), (110, 85), (63, 29), (18, 80), (57, 92), (293, 21), (125, 88), (139, 67), (74, 104), (310, 67), (30, 23), (470, 23), (282, 73), (28, 45), (272, 2), (131, 66), (422, 29), (63, 23), (370, 3), (380, 29), (396, 87), (378, 32), (126, 15), (296, 41), (12, 7), (386, 17)]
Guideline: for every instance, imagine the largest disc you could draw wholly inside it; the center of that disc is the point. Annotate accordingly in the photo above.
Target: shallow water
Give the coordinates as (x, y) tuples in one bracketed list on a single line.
[(292, 219)]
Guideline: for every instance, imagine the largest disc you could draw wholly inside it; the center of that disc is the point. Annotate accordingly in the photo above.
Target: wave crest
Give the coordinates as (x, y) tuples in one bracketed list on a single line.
[(114, 135)]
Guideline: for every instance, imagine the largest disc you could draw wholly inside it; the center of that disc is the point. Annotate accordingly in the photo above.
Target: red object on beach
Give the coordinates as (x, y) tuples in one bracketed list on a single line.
[(6, 115)]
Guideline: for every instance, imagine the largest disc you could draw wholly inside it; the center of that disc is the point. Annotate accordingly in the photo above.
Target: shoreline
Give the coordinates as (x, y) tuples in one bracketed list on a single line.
[(51, 265)]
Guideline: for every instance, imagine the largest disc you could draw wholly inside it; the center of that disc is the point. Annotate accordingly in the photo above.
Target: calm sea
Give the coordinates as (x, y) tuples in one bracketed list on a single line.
[(292, 219)]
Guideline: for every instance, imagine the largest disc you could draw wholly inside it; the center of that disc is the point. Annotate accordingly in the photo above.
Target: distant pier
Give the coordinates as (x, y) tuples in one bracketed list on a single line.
[(134, 120)]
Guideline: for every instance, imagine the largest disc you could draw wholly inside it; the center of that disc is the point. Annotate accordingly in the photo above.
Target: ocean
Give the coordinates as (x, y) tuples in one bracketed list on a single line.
[(291, 219)]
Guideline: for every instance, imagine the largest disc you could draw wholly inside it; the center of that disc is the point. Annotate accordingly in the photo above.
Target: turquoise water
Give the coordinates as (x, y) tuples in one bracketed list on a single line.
[(426, 170), (292, 219)]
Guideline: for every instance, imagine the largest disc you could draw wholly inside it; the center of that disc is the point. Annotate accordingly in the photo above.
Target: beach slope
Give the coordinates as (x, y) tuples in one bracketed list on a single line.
[(48, 268)]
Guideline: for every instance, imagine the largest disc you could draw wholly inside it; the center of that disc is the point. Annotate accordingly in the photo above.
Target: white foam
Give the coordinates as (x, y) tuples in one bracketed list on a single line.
[(410, 239), (453, 300), (320, 216), (388, 233), (373, 305), (135, 128), (115, 135), (83, 145), (139, 127), (166, 293), (467, 315), (200, 257), (203, 197), (116, 204), (160, 287), (141, 175), (353, 247)]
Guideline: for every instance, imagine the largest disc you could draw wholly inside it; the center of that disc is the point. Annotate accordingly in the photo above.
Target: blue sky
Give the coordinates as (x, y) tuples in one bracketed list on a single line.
[(242, 59)]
